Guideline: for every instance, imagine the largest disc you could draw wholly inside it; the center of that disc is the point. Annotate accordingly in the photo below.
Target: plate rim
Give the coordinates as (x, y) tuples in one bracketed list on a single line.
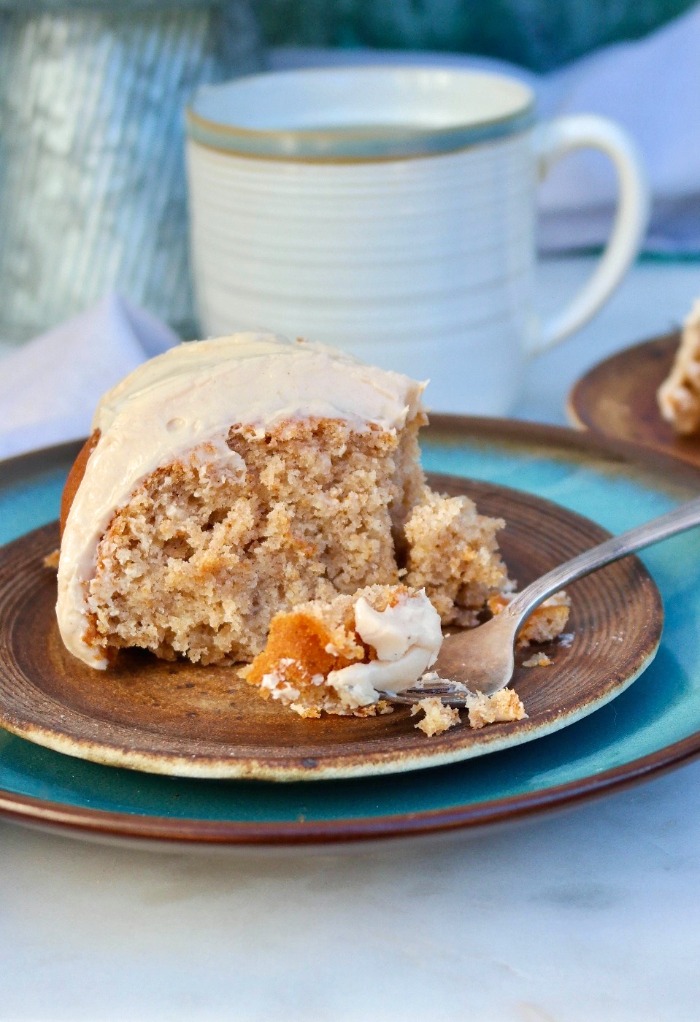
[(191, 831), (166, 831)]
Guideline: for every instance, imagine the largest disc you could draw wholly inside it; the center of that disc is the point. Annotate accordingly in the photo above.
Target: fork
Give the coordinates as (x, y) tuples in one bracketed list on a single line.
[(482, 659)]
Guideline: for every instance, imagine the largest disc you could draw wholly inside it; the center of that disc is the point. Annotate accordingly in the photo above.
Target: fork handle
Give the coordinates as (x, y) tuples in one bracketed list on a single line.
[(684, 517)]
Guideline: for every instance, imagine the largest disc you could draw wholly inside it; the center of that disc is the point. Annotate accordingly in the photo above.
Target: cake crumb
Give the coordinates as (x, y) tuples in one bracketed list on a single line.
[(438, 717), (538, 660), (51, 560), (500, 707), (545, 623)]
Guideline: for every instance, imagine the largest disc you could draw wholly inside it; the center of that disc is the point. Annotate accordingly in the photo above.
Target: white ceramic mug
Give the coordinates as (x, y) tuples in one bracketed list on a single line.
[(391, 212)]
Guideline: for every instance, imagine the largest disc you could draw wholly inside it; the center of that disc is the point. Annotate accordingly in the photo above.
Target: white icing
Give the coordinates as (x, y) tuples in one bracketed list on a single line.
[(278, 687), (190, 396), (391, 632), (406, 637)]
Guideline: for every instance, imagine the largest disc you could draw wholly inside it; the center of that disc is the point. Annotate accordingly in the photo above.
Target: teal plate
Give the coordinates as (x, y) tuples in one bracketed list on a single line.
[(652, 726)]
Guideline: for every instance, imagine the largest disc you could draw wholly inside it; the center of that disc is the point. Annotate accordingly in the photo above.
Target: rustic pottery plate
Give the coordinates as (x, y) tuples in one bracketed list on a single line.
[(193, 721), (617, 399), (651, 726)]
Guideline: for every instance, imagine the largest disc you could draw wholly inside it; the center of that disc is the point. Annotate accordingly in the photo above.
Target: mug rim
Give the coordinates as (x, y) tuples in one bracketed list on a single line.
[(370, 142)]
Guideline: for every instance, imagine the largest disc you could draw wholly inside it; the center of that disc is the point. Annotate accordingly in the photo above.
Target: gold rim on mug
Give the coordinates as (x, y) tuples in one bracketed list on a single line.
[(353, 144)]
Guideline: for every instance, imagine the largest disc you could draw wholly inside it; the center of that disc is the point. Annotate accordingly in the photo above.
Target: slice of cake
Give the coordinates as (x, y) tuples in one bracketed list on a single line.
[(228, 480), (679, 394)]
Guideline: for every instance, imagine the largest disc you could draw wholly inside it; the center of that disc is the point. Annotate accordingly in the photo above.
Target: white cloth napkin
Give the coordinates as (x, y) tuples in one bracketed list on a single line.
[(49, 387), (649, 86)]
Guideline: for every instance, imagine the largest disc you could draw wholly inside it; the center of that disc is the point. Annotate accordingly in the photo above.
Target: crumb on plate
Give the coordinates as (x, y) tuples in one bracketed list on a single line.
[(545, 623), (500, 707), (538, 660), (438, 717), (51, 560)]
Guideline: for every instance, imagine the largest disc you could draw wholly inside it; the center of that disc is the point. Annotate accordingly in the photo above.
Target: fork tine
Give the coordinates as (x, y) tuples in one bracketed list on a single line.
[(452, 693)]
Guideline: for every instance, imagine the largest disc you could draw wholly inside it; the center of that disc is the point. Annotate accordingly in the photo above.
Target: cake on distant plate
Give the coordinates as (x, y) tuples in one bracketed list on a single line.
[(679, 394)]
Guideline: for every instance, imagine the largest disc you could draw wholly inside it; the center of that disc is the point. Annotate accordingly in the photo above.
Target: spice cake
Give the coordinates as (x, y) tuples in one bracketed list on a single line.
[(228, 480)]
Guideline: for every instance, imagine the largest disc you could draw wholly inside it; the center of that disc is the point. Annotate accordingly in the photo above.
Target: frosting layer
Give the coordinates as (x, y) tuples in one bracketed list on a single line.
[(406, 638), (190, 396)]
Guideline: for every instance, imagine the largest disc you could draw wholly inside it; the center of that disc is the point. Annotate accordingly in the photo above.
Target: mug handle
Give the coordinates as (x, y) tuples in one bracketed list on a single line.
[(559, 137)]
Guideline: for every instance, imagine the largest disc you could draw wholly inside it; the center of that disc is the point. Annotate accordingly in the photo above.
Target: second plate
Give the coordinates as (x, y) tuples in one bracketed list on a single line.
[(617, 399)]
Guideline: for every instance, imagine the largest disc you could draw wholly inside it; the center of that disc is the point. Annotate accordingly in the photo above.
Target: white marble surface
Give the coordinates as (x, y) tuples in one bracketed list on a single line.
[(592, 914)]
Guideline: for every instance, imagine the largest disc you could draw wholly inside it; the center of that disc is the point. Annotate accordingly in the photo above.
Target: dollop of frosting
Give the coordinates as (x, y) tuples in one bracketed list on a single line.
[(406, 638), (190, 396)]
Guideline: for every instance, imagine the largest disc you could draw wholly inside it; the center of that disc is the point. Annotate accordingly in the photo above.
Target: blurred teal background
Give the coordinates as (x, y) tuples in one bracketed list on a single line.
[(537, 34)]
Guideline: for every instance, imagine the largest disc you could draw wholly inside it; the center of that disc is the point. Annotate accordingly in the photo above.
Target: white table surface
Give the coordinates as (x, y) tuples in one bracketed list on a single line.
[(588, 915)]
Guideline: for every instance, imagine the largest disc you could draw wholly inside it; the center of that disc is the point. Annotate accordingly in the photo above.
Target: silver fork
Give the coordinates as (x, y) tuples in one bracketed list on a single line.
[(482, 658)]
